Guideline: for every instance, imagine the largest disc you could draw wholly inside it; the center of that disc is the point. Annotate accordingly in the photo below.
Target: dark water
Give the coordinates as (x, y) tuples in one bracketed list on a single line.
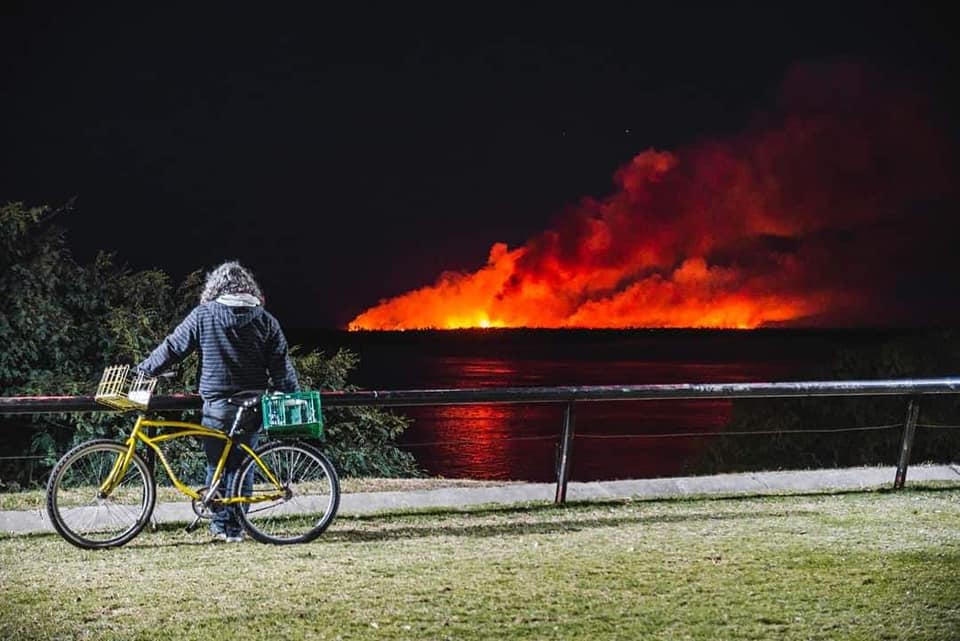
[(519, 442)]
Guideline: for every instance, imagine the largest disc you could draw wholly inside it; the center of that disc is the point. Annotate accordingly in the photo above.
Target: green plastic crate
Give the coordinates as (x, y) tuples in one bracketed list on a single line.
[(292, 414)]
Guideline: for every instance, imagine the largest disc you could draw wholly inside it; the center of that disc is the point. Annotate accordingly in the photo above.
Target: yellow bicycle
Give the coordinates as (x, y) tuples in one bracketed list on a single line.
[(102, 493)]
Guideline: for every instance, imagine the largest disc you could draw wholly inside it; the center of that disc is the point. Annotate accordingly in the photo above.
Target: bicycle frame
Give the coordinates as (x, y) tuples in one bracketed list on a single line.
[(184, 429)]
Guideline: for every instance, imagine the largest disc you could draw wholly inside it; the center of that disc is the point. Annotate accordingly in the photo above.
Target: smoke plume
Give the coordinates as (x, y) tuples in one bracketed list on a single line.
[(797, 220)]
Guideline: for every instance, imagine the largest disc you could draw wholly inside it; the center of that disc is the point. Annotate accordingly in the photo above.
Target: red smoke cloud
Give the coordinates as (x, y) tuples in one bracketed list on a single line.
[(790, 222)]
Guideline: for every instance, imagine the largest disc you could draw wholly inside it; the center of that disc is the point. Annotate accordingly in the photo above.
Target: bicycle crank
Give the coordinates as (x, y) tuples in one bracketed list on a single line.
[(203, 506)]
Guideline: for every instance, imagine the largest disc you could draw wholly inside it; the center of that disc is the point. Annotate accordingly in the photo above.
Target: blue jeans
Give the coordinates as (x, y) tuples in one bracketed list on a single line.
[(219, 414)]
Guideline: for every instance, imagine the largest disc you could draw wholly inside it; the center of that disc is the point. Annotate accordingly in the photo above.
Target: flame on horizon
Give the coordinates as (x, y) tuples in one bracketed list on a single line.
[(779, 225)]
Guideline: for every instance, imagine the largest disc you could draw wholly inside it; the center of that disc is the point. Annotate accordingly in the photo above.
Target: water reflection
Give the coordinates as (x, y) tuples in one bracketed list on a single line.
[(477, 372), (482, 441), (520, 441)]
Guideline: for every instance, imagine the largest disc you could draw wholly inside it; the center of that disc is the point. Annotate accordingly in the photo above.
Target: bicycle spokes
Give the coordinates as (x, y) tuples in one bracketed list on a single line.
[(94, 499), (298, 500)]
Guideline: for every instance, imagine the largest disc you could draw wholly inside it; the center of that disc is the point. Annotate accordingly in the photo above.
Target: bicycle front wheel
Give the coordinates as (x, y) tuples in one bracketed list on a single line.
[(304, 504), (82, 513)]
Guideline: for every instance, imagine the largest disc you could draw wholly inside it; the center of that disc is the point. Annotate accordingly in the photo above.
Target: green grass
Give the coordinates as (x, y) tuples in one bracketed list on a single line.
[(871, 566)]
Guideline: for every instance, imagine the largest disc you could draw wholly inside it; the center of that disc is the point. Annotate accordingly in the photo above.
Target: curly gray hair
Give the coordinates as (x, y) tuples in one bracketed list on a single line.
[(230, 278)]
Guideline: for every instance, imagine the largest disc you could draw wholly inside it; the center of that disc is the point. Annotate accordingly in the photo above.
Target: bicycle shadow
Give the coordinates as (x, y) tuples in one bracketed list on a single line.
[(487, 522)]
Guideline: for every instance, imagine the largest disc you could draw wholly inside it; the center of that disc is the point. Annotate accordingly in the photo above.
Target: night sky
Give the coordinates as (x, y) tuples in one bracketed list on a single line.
[(350, 155)]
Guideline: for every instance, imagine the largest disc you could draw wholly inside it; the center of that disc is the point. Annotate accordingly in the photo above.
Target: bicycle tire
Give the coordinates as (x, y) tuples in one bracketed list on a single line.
[(312, 500), (83, 517)]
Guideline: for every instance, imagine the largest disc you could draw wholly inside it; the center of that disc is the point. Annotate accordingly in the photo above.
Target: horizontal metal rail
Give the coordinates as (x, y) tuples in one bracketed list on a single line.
[(562, 394)]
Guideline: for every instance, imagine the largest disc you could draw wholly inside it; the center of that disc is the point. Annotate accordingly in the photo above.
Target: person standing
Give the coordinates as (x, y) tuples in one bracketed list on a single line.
[(241, 347)]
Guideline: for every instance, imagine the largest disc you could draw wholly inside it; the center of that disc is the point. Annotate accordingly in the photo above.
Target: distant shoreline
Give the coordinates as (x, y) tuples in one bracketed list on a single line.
[(601, 332)]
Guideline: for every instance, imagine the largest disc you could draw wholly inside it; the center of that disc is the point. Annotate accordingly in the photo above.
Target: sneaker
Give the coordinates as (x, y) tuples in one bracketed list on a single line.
[(217, 532), (236, 538)]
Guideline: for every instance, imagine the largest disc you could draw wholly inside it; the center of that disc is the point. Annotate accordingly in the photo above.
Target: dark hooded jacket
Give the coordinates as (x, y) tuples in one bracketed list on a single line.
[(241, 348)]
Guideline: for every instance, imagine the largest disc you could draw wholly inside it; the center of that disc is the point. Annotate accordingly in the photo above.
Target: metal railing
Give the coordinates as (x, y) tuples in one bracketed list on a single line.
[(912, 389)]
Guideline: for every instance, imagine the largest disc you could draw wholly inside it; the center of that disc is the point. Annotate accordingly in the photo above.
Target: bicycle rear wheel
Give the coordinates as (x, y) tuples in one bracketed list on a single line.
[(81, 513), (311, 493)]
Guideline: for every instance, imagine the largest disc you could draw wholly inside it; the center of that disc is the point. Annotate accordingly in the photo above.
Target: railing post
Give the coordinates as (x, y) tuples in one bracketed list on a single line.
[(566, 445), (909, 428)]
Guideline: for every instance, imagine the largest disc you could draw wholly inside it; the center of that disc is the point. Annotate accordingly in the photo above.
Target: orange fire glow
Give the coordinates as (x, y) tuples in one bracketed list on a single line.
[(775, 226), (693, 295)]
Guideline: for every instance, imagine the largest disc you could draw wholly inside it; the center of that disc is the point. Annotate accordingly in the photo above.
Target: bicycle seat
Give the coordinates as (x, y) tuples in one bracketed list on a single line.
[(246, 399)]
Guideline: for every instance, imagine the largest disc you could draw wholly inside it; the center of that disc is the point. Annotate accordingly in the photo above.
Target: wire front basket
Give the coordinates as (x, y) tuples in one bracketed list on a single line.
[(123, 389)]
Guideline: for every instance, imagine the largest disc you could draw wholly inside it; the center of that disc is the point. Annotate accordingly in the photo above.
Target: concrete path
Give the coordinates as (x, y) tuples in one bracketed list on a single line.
[(722, 484)]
